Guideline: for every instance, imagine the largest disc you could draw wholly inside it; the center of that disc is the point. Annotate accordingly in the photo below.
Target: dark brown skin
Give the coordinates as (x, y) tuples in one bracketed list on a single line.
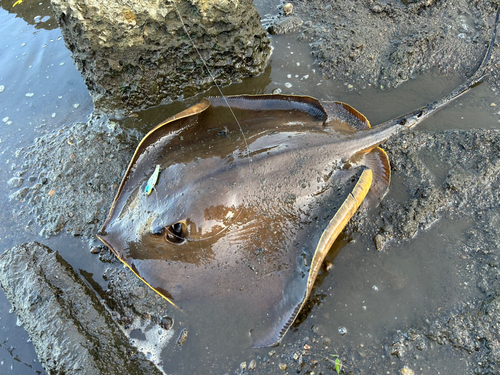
[(248, 214)]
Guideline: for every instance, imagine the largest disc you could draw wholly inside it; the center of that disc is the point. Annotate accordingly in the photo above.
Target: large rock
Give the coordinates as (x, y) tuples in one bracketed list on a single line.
[(71, 330), (135, 53)]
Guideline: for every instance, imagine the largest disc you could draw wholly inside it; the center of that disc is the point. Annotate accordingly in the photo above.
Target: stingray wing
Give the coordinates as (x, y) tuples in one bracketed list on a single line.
[(331, 214)]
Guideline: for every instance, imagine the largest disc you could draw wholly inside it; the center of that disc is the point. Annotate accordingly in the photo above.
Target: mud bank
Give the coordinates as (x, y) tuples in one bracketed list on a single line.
[(68, 178), (384, 43), (71, 330)]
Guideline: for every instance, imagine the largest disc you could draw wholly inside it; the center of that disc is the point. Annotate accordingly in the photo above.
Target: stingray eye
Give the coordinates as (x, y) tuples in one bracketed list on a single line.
[(176, 233)]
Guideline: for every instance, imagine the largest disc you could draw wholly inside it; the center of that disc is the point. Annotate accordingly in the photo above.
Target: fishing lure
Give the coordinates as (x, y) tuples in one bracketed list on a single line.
[(152, 180)]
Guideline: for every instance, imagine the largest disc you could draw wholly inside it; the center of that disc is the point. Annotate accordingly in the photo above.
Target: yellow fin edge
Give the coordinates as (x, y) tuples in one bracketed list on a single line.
[(144, 281)]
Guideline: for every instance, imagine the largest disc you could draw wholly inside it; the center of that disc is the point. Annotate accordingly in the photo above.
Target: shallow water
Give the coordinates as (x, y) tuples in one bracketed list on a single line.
[(369, 294)]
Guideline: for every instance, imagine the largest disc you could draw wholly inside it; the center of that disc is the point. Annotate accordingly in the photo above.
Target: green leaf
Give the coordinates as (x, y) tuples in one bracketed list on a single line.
[(338, 365)]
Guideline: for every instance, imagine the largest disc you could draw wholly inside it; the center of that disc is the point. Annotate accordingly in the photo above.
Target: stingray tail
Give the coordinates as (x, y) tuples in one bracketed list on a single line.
[(413, 118)]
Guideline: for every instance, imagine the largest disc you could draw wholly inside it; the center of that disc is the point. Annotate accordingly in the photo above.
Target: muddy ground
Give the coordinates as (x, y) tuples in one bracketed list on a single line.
[(385, 43), (450, 173)]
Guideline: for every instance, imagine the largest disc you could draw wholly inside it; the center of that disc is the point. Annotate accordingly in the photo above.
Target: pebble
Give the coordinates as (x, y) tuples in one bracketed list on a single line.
[(53, 115), (30, 94), (5, 119), (166, 323), (288, 85), (76, 105), (2, 88), (252, 365), (277, 91), (288, 9), (406, 371), (95, 250), (283, 366), (342, 330), (379, 242), (15, 182), (493, 104), (182, 337), (243, 366)]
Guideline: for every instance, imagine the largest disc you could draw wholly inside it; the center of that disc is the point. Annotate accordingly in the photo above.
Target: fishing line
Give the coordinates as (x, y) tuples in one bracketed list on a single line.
[(211, 76), (230, 109)]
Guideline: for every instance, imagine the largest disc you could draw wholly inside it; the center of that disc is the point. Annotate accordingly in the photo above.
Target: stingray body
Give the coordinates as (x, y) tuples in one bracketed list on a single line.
[(249, 212)]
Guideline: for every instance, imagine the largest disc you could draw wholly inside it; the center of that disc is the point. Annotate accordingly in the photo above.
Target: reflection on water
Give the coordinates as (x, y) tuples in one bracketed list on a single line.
[(368, 293), (35, 13)]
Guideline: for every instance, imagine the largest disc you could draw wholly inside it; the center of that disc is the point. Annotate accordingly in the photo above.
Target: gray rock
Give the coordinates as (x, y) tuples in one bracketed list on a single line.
[(71, 330), (285, 25), (137, 54)]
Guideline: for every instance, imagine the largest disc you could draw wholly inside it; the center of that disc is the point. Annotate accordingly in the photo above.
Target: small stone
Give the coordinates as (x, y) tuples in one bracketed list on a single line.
[(387, 228), (493, 105), (53, 115), (379, 241), (288, 85), (406, 371), (288, 9), (271, 353), (30, 94), (2, 88), (342, 330), (182, 337), (277, 91), (307, 347), (252, 365), (95, 250), (166, 323), (76, 105), (350, 87), (243, 366), (283, 366), (15, 182), (5, 119)]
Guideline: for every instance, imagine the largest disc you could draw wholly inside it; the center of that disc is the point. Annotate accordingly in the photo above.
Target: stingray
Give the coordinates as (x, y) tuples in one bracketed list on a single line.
[(246, 212)]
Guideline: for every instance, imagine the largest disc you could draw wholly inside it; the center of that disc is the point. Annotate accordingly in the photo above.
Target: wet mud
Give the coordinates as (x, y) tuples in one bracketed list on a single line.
[(385, 43), (67, 178)]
